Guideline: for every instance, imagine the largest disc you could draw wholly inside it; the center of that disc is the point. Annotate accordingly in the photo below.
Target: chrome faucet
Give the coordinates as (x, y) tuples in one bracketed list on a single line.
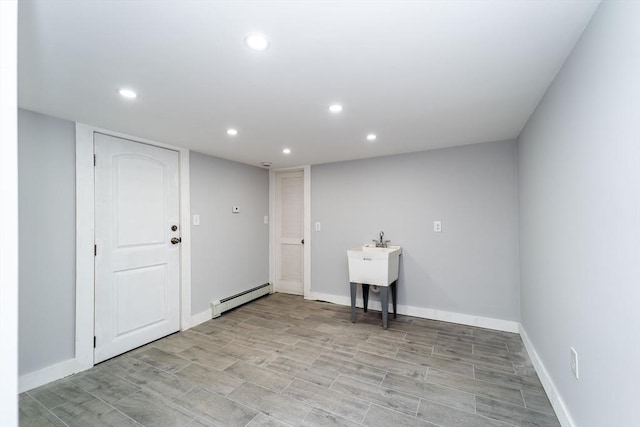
[(381, 243)]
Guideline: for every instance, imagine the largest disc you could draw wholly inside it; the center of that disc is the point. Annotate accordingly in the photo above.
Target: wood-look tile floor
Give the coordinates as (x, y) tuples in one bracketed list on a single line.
[(284, 361)]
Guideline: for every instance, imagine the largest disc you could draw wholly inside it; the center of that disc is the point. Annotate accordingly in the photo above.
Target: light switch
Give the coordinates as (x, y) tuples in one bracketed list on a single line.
[(266, 219), (437, 226), (235, 209), (196, 220), (318, 226)]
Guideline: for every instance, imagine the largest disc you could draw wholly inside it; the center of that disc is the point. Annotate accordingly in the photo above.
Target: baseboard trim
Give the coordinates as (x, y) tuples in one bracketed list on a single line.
[(562, 412), (428, 313), (63, 369), (51, 373), (199, 318)]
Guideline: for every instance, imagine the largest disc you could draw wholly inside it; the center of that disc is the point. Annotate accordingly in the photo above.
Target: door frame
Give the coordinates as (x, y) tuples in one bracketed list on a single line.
[(306, 281), (85, 226), (9, 214)]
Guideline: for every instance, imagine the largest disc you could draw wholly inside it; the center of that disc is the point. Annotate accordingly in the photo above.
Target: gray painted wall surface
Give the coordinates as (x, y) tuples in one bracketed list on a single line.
[(580, 222), (47, 230), (229, 252), (471, 267)]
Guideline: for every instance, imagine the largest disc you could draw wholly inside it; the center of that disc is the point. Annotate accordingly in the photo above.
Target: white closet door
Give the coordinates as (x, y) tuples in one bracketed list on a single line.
[(290, 232), (137, 289)]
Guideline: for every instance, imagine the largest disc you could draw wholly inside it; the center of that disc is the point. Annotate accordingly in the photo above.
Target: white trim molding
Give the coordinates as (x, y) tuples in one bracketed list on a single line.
[(198, 318), (84, 247), (427, 313), (560, 408), (50, 373), (9, 213), (272, 228), (185, 245), (307, 232)]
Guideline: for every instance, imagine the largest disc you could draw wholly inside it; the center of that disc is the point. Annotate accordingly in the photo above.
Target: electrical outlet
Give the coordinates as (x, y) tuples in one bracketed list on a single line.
[(574, 362), (437, 226), (318, 226), (196, 219)]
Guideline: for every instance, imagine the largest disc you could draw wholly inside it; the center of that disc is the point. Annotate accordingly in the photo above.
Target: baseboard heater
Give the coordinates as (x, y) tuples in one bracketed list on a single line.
[(220, 306)]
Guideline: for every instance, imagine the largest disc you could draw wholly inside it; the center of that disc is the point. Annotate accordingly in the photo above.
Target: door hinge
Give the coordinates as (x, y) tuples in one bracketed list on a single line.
[(95, 250), (95, 340), (94, 160)]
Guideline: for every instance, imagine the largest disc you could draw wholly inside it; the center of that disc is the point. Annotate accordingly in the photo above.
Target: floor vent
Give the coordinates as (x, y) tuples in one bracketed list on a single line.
[(220, 306)]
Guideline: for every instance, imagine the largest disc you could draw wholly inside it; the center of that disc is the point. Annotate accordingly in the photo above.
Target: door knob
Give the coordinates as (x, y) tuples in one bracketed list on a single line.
[(176, 240), (302, 241)]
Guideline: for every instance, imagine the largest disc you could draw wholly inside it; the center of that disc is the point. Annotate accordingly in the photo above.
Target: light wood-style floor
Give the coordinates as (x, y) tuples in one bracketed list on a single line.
[(283, 361)]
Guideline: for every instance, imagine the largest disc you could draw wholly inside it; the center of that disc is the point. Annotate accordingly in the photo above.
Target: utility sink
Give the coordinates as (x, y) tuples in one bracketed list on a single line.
[(374, 266)]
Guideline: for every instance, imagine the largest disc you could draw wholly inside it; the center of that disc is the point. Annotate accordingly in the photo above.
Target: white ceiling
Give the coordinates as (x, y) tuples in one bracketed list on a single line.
[(419, 74)]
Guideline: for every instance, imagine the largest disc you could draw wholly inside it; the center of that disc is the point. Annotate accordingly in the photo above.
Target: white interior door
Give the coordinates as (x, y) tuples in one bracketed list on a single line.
[(137, 289), (289, 231)]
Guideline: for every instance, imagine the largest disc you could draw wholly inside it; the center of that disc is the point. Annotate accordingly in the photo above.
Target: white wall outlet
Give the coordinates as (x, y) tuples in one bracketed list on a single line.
[(318, 226), (437, 226), (196, 219), (235, 209), (574, 362), (266, 219)]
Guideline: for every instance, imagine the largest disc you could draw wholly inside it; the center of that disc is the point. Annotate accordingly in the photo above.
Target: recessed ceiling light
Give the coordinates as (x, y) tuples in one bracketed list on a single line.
[(256, 41), (371, 137), (286, 151), (128, 93), (232, 132), (335, 108)]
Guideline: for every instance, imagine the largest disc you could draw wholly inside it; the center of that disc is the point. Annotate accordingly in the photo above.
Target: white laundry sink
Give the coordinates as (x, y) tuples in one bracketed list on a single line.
[(374, 266)]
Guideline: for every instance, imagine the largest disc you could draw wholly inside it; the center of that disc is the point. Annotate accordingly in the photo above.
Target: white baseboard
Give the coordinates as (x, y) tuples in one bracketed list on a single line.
[(562, 412), (51, 373), (201, 317), (60, 370), (428, 313), (63, 369)]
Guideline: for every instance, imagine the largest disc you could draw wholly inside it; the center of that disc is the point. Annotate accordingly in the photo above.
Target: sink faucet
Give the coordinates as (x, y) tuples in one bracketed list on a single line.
[(381, 243)]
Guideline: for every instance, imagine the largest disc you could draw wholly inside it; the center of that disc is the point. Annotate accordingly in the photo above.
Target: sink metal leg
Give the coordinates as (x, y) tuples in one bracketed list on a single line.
[(384, 299), (353, 301), (394, 298), (365, 296)]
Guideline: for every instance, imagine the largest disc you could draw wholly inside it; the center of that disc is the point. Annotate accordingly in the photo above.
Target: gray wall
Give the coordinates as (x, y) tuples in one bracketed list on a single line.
[(46, 178), (229, 252), (580, 222), (471, 267)]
